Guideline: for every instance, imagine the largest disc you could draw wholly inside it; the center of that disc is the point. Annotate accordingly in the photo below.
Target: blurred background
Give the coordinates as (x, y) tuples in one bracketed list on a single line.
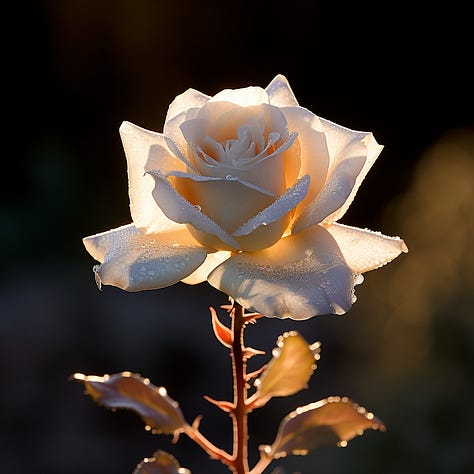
[(75, 69)]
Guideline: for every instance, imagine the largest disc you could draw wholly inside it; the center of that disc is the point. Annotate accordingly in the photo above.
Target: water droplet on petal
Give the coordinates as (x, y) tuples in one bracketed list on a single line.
[(98, 281), (197, 207), (358, 279)]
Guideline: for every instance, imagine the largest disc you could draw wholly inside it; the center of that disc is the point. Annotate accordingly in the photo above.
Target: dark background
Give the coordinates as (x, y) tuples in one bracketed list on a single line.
[(75, 69)]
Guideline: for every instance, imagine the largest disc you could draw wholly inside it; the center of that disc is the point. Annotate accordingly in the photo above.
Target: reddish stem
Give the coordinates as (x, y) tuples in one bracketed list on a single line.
[(239, 412)]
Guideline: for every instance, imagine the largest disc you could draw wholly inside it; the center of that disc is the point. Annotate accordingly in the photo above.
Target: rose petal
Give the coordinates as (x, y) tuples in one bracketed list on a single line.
[(351, 155), (174, 137), (279, 208), (212, 261), (189, 99), (314, 153), (221, 120), (135, 261), (299, 277), (364, 249), (178, 209), (373, 150), (202, 178), (333, 195), (146, 150), (217, 199), (269, 173), (280, 93), (245, 96)]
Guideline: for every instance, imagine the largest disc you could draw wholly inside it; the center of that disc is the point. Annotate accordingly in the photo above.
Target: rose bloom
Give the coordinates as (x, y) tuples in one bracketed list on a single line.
[(245, 189)]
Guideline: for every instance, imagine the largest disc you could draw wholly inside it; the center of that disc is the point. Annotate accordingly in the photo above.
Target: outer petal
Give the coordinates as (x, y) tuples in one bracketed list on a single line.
[(334, 193), (146, 150), (174, 137), (212, 261), (315, 157), (364, 249), (299, 277), (280, 93), (185, 101), (351, 155), (373, 150), (135, 261), (245, 96)]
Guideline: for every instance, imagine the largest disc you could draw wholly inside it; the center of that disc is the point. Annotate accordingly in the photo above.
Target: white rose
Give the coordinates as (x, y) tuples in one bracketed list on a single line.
[(244, 189)]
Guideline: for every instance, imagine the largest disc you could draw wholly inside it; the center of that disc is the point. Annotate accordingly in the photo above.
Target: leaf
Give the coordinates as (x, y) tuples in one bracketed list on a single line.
[(288, 372), (126, 390), (160, 463), (334, 420)]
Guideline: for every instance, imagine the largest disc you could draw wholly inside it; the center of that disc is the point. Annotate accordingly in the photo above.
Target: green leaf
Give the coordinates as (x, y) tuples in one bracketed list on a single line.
[(126, 390), (160, 463), (334, 420), (289, 371)]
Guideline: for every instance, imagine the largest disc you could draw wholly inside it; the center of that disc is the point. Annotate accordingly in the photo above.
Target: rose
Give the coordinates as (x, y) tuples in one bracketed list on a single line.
[(244, 189)]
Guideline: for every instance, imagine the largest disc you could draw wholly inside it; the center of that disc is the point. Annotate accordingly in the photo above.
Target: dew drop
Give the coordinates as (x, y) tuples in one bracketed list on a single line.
[(358, 279), (266, 449), (98, 281), (162, 391), (197, 207), (229, 176), (342, 444)]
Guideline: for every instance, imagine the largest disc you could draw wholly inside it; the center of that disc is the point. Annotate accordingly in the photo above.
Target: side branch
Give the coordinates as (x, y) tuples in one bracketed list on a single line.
[(213, 451)]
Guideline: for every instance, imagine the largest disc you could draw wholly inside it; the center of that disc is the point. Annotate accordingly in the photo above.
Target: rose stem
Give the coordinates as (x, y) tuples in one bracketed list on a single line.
[(239, 412)]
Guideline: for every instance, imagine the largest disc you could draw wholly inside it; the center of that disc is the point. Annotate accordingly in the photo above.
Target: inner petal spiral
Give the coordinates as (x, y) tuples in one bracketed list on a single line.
[(249, 147)]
